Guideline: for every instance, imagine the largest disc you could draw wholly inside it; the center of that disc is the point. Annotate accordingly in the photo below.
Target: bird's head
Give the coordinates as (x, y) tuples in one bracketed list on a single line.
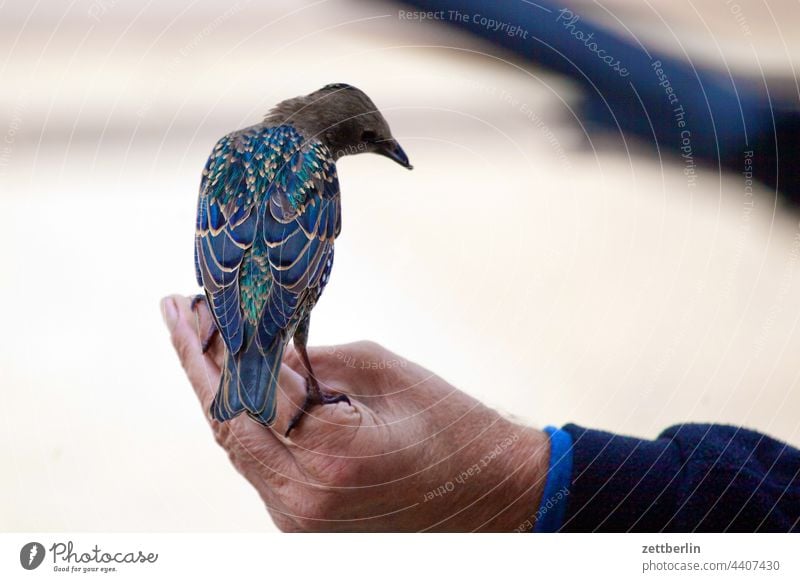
[(345, 119)]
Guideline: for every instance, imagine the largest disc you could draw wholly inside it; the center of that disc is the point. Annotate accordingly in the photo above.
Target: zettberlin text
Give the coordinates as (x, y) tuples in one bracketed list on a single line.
[(686, 548)]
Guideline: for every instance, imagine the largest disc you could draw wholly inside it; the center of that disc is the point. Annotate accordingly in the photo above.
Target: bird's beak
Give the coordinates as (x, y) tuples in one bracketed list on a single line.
[(392, 150)]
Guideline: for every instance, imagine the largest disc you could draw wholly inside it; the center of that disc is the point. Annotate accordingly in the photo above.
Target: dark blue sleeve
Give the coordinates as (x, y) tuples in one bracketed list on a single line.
[(693, 477)]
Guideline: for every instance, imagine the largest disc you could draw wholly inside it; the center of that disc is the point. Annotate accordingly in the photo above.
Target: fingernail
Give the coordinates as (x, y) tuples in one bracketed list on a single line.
[(169, 311)]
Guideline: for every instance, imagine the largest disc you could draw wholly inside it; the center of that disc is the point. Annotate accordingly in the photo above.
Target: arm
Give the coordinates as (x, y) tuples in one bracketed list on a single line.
[(693, 477), (415, 453)]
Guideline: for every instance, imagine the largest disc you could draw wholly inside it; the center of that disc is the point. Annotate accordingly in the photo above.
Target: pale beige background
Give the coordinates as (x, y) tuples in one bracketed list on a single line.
[(551, 277)]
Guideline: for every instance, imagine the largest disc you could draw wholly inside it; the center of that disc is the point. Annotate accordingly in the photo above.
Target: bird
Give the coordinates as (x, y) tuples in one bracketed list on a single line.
[(268, 213)]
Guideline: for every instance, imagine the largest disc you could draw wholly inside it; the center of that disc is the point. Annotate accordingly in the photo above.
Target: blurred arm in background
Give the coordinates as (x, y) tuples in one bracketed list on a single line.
[(682, 111), (414, 453)]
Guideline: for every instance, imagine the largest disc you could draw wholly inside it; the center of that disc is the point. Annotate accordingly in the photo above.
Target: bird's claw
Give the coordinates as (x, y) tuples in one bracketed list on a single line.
[(314, 396), (195, 300)]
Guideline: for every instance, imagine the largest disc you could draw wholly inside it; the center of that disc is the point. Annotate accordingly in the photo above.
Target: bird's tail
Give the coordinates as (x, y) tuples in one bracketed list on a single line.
[(248, 383)]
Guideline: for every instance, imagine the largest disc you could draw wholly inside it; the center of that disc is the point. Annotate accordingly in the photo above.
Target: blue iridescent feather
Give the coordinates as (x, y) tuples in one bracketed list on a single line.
[(267, 217)]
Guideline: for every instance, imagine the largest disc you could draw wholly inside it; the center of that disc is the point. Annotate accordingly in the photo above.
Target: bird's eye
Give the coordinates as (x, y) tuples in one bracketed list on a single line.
[(368, 135)]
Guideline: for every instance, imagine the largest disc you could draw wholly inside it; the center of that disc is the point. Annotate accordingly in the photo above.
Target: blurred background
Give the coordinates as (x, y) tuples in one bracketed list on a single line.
[(547, 270)]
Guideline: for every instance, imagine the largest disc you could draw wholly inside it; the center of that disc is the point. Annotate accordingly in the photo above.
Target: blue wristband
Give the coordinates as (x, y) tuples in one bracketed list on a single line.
[(550, 516)]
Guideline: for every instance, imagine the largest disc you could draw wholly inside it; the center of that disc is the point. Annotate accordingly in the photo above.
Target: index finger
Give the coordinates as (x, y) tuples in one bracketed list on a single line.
[(251, 445), (201, 369)]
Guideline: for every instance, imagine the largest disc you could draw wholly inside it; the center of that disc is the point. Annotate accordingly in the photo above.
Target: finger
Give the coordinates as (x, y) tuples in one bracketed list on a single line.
[(290, 395), (330, 428), (253, 449), (330, 366), (320, 367), (291, 398), (258, 453), (207, 330), (363, 369), (203, 371)]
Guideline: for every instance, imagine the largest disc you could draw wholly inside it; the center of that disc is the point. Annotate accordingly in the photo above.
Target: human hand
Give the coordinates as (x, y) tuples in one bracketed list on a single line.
[(410, 453)]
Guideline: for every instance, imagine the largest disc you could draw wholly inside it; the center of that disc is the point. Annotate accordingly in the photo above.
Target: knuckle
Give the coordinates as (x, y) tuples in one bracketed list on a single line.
[(368, 346), (368, 351)]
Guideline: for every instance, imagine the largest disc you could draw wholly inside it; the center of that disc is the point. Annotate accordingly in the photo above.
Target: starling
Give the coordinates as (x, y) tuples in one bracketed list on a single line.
[(267, 217)]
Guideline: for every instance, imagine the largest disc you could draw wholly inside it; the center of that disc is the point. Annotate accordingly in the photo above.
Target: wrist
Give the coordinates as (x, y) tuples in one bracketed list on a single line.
[(520, 477)]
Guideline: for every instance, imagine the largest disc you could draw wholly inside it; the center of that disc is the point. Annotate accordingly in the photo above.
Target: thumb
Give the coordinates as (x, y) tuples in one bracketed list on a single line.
[(169, 312), (182, 323)]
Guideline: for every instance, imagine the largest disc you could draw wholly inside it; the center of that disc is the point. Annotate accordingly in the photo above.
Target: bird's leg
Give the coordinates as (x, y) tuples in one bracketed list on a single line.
[(314, 394), (211, 334)]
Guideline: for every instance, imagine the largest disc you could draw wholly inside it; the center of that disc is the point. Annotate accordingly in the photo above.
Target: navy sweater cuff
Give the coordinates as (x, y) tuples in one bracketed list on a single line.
[(694, 477), (619, 483), (550, 515)]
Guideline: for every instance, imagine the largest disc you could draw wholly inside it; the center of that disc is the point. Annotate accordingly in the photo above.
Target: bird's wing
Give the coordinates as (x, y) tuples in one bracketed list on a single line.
[(268, 197), (227, 214), (299, 221)]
